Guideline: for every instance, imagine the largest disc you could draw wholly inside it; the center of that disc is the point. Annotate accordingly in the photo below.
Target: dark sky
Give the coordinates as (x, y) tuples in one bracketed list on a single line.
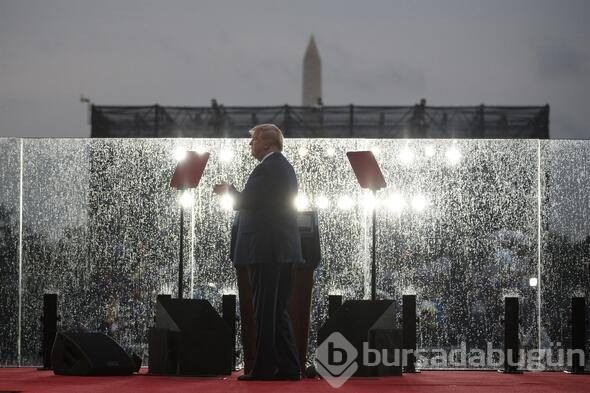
[(138, 52)]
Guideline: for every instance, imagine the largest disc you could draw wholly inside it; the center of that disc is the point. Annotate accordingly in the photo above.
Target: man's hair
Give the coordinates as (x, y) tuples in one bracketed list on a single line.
[(270, 133)]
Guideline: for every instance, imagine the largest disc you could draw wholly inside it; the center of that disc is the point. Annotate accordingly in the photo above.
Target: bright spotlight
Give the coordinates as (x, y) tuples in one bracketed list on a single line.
[(301, 202), (179, 153), (303, 151), (226, 155), (330, 151), (229, 291), (406, 155), (395, 202), (429, 151), (322, 202), (227, 202), (453, 155), (201, 149), (419, 203), (533, 281), (369, 201), (186, 199), (345, 202)]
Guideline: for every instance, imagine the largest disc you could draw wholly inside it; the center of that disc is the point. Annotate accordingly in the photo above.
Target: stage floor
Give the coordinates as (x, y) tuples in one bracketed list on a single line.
[(31, 380)]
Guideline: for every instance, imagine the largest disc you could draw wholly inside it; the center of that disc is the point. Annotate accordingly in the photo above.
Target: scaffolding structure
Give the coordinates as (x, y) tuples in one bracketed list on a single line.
[(348, 121)]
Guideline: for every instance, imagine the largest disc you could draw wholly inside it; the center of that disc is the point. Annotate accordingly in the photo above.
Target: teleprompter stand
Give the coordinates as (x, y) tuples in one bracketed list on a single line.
[(369, 176), (187, 175)]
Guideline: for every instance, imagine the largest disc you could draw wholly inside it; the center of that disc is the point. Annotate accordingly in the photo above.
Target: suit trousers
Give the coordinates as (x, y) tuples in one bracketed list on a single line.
[(275, 342)]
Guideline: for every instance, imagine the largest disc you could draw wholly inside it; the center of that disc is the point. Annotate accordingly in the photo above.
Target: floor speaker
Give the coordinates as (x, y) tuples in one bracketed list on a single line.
[(578, 335), (49, 321), (409, 329), (372, 322), (89, 354), (190, 338), (511, 340)]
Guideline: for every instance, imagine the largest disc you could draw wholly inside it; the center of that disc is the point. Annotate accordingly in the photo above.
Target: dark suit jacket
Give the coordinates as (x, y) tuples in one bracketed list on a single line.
[(267, 230)]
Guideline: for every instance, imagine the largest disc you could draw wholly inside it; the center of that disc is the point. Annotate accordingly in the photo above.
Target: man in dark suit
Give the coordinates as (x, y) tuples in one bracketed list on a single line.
[(268, 243)]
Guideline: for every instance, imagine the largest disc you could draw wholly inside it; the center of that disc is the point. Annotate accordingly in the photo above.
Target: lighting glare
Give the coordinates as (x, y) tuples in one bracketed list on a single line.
[(419, 203), (201, 149), (429, 151), (330, 152), (303, 151), (345, 202), (226, 155), (301, 202), (179, 153), (369, 201), (533, 281), (186, 199), (453, 155), (406, 155), (227, 202), (229, 291), (395, 202), (376, 150), (322, 202)]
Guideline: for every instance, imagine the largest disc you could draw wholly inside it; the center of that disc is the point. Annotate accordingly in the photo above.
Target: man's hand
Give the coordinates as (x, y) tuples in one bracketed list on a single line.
[(223, 188)]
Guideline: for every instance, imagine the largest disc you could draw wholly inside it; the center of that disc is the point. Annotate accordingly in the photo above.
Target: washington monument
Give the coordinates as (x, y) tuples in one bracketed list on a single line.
[(312, 75)]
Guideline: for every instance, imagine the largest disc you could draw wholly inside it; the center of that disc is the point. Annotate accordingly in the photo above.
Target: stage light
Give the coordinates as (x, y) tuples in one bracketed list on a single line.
[(419, 203), (322, 202), (395, 202), (336, 292), (303, 151), (165, 289), (201, 149), (301, 202), (429, 151), (226, 155), (229, 291), (369, 202), (533, 281), (227, 202), (345, 202), (186, 199), (179, 153), (453, 155), (406, 155), (330, 151), (376, 150)]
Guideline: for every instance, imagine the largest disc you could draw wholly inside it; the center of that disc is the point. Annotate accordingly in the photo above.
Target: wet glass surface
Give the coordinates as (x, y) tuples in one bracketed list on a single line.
[(461, 225)]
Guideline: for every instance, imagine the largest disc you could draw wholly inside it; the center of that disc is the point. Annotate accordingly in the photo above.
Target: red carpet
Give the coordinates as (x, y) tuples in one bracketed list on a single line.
[(31, 380)]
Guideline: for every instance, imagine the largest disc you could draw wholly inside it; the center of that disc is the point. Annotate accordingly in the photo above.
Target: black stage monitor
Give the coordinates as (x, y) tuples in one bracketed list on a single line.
[(372, 322), (190, 338), (89, 354)]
